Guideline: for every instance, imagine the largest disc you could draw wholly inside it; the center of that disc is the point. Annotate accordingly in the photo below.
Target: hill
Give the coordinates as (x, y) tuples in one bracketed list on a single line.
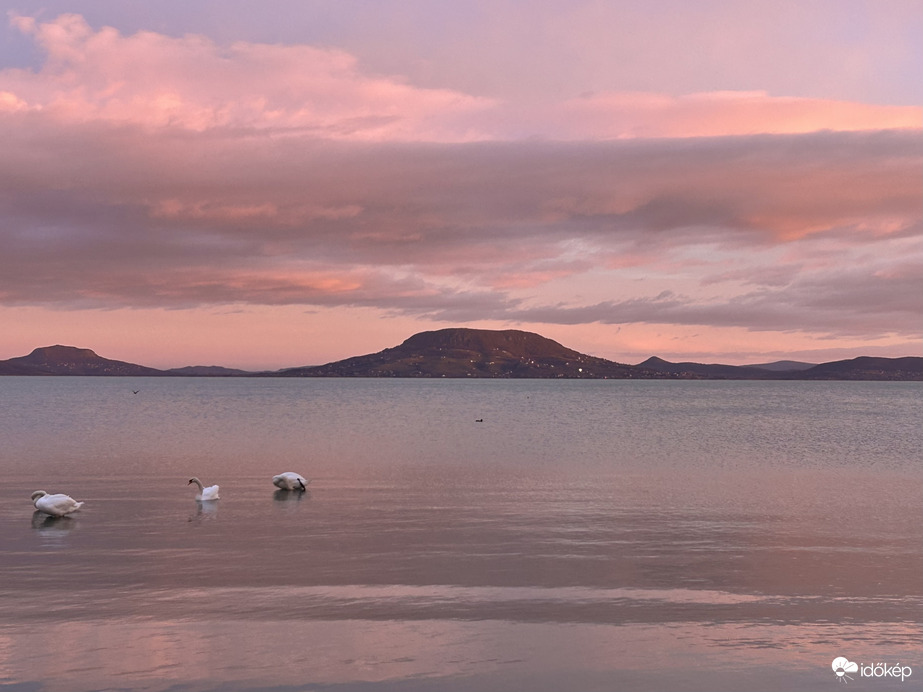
[(909, 368), (68, 360), (868, 368), (463, 352), (712, 371), (782, 365), (205, 371)]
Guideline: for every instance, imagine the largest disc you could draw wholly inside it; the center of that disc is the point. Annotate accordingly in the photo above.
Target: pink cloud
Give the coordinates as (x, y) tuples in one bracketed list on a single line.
[(192, 83), (629, 115), (532, 277), (146, 171), (157, 81), (447, 229)]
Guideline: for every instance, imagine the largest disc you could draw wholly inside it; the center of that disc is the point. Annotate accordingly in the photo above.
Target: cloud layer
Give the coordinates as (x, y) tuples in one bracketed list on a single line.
[(147, 171), (156, 81)]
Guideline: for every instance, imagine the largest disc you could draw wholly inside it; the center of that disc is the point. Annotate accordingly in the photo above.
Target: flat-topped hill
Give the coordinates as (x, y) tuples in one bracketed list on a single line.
[(461, 352), (68, 360)]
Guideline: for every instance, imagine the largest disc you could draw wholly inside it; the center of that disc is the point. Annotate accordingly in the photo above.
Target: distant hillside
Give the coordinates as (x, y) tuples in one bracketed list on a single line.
[(206, 371), (707, 371), (863, 368), (67, 360), (782, 365), (868, 368), (475, 353)]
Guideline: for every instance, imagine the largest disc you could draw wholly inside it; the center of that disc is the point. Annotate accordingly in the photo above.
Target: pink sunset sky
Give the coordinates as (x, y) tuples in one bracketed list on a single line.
[(291, 182)]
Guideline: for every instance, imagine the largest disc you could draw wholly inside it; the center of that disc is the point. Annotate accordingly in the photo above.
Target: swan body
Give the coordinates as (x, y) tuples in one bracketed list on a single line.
[(204, 494), (56, 505), (290, 481)]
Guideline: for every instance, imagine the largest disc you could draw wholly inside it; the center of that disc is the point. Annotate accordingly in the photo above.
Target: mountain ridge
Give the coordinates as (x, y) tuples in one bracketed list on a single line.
[(460, 352)]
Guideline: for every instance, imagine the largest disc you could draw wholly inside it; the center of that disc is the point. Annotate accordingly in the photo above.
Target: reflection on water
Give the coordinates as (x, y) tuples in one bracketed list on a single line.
[(438, 655), (750, 565), (205, 509), (52, 527), (291, 495), (183, 652)]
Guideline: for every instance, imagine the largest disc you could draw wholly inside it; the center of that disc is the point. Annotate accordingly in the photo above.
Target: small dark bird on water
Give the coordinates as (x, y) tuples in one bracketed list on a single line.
[(478, 420), (135, 391)]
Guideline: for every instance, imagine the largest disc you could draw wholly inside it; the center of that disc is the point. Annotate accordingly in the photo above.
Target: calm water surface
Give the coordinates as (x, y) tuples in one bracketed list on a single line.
[(587, 535)]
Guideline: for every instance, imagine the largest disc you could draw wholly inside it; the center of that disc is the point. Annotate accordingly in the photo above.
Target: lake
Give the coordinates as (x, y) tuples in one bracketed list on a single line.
[(461, 535)]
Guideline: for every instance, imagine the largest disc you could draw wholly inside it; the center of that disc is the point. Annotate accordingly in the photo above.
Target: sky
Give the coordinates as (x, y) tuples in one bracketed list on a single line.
[(293, 182)]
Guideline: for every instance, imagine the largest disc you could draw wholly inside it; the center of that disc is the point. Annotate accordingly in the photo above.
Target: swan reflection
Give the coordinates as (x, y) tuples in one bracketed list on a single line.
[(205, 509), (290, 495), (50, 526)]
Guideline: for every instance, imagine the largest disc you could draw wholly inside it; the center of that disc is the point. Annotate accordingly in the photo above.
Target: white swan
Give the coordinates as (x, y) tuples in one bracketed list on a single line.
[(209, 493), (290, 481), (56, 505)]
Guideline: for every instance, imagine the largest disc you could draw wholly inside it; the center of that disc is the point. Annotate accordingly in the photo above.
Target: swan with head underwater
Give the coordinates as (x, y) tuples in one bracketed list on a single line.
[(58, 505), (290, 481), (204, 494)]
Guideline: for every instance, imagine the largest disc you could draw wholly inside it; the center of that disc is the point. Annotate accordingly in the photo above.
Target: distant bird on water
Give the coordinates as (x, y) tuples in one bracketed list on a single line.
[(204, 494), (56, 505), (135, 391), (290, 481)]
